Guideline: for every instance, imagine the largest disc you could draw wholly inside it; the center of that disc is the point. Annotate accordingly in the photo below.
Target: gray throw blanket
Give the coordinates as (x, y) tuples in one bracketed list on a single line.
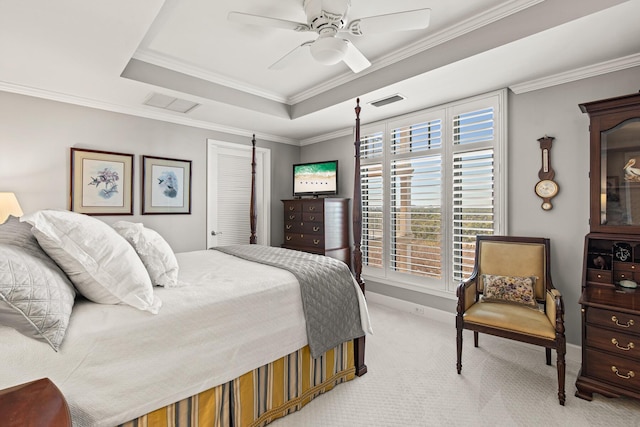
[(329, 297)]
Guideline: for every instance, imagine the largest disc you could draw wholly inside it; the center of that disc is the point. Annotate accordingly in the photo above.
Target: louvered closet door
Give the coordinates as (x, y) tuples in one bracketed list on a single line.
[(229, 195)]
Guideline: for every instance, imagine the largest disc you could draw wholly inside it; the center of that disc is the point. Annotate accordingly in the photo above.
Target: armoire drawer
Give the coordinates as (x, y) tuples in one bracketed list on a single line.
[(615, 370), (615, 342), (628, 323), (598, 276)]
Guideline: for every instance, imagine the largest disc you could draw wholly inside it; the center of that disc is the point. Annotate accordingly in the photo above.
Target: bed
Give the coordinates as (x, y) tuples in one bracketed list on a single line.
[(223, 338)]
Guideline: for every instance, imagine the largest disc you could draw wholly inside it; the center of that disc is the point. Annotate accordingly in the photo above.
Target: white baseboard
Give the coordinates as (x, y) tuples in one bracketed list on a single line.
[(574, 352)]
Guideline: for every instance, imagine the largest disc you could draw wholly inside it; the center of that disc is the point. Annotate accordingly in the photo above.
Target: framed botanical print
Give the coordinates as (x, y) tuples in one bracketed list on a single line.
[(166, 186), (101, 182)]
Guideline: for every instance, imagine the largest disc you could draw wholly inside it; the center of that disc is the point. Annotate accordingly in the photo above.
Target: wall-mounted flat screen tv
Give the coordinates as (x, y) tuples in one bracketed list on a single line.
[(315, 179)]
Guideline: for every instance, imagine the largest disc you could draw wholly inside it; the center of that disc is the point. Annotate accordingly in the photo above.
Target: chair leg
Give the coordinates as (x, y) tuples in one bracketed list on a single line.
[(475, 338), (561, 372), (548, 352), (459, 347)]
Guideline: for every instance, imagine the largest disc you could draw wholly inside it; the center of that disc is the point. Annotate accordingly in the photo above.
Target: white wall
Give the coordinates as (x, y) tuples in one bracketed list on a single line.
[(35, 140), (554, 112)]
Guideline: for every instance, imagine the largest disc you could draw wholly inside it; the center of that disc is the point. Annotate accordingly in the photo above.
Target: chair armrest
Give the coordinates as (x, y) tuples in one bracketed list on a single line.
[(466, 293), (554, 309)]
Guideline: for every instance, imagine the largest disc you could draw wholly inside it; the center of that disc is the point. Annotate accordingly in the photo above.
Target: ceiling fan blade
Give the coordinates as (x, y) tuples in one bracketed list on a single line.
[(291, 57), (355, 59), (265, 21), (401, 21)]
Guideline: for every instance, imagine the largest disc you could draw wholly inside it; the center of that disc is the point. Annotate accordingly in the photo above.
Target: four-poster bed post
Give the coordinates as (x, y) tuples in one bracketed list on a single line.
[(252, 209), (356, 265)]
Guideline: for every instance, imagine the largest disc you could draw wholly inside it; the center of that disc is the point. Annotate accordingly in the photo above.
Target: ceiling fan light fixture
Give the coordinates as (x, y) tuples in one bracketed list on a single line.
[(329, 50)]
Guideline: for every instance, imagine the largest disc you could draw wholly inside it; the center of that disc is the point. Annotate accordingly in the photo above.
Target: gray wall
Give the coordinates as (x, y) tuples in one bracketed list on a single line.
[(554, 112), (36, 135)]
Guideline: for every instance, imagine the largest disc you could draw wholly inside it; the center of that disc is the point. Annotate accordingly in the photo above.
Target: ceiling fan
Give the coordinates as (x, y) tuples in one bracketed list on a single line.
[(328, 18)]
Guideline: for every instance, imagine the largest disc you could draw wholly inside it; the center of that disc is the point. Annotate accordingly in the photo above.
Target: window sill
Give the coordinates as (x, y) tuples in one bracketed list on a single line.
[(425, 289)]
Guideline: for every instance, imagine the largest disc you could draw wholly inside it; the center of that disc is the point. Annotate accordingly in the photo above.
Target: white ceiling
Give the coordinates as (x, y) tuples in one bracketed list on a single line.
[(114, 54)]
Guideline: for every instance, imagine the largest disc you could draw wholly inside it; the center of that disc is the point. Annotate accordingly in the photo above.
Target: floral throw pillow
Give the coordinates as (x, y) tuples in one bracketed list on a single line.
[(511, 289)]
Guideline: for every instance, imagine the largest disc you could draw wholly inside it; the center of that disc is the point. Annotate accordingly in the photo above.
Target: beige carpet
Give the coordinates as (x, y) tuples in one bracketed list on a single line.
[(412, 381)]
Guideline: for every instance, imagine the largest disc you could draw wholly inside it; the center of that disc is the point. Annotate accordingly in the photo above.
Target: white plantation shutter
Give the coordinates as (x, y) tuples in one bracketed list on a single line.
[(473, 206), (416, 216), (371, 146), (416, 198), (431, 183), (473, 127), (473, 184), (371, 155), (372, 215)]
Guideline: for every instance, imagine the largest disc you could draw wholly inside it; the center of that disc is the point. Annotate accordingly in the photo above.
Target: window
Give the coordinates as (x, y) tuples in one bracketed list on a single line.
[(432, 181)]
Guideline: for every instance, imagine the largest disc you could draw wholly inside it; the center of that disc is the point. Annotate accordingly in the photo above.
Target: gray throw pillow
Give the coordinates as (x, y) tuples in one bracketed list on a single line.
[(36, 297)]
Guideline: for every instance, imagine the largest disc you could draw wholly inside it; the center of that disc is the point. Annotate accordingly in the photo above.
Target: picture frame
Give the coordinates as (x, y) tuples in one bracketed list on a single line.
[(166, 186), (101, 182)]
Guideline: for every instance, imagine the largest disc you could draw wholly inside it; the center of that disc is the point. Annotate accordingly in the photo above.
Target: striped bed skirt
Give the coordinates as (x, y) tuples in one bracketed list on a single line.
[(259, 396)]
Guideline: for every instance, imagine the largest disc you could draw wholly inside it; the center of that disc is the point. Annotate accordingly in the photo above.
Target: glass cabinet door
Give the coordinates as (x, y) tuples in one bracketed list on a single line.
[(620, 175), (614, 164)]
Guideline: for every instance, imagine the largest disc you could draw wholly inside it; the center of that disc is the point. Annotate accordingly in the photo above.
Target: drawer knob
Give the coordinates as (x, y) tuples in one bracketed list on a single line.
[(291, 208), (599, 276), (311, 218), (316, 241), (627, 348), (316, 228), (628, 325), (288, 226), (630, 375), (312, 208), (292, 217), (288, 238)]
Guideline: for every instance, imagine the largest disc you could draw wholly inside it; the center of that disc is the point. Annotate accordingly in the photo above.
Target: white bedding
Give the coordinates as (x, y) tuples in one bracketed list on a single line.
[(228, 317)]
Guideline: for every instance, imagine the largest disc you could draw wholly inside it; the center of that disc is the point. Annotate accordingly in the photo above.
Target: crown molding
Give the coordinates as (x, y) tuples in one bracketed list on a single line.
[(577, 74), (139, 112), (327, 136), (171, 63), (479, 20)]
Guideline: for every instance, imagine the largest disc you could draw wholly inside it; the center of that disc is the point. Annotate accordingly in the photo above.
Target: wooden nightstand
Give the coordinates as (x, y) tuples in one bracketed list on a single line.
[(34, 404)]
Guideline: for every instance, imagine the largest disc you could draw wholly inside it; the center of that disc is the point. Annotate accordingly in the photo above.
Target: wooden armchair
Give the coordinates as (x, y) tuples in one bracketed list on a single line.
[(510, 295)]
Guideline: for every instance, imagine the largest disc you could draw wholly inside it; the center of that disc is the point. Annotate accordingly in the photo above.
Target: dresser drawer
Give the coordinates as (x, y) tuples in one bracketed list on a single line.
[(293, 217), (313, 206), (598, 276), (615, 320), (312, 217), (615, 370), (303, 240), (292, 206), (293, 226), (313, 228), (615, 342)]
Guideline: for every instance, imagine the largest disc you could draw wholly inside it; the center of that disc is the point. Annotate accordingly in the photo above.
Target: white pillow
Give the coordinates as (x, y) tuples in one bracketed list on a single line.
[(101, 264), (155, 253)]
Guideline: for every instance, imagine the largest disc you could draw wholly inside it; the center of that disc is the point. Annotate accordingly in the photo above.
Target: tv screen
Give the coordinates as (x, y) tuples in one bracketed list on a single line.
[(314, 179)]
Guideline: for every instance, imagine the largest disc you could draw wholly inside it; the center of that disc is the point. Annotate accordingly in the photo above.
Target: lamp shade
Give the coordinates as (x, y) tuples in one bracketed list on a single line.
[(9, 206)]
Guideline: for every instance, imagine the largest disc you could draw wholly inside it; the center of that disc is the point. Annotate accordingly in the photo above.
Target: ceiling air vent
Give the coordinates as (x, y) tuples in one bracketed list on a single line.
[(170, 103), (388, 100)]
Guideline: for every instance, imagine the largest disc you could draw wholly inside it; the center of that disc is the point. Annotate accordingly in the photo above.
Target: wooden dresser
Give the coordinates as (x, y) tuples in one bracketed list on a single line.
[(610, 304), (319, 226)]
